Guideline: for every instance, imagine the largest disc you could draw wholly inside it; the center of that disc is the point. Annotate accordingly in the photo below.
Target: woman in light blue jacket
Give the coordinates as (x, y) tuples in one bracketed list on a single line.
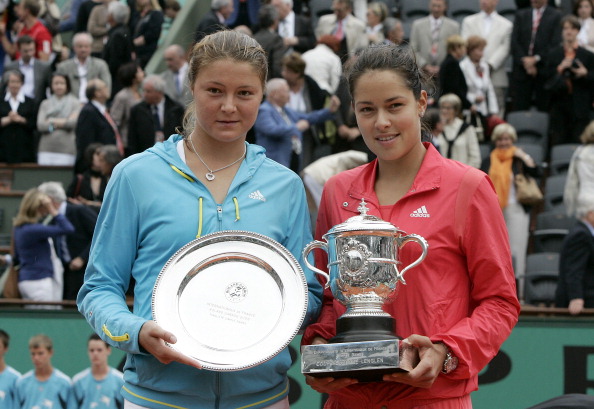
[(207, 180)]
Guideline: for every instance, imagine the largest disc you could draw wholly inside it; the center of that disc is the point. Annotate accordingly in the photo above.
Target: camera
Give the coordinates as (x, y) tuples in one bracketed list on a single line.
[(568, 73), (574, 63)]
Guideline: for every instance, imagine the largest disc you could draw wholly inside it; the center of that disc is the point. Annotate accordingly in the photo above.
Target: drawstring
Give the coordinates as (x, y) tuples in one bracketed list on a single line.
[(237, 217), (182, 173), (200, 199), (236, 209), (199, 217)]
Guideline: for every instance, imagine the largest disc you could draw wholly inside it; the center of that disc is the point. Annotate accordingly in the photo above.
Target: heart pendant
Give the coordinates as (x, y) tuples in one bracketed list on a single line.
[(209, 176)]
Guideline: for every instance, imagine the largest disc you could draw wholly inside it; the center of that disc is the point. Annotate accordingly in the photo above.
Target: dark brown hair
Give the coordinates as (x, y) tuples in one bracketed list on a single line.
[(386, 57)]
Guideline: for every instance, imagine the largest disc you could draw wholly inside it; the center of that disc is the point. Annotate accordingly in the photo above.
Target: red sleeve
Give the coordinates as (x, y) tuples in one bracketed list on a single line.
[(475, 340), (43, 42)]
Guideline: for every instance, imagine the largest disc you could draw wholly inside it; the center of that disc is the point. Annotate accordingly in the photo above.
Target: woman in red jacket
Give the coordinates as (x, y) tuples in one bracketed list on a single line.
[(460, 304)]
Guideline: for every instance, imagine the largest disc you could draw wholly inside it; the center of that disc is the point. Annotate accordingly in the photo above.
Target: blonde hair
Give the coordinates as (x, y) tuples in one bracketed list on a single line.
[(222, 45), (504, 128), (379, 9), (451, 99), (454, 42), (587, 136), (41, 341), (29, 207)]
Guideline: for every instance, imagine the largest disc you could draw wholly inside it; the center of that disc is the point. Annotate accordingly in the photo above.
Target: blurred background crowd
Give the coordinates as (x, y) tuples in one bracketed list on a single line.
[(86, 83)]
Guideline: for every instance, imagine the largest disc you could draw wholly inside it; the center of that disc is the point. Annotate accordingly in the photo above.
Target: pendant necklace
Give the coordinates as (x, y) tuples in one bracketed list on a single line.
[(210, 174)]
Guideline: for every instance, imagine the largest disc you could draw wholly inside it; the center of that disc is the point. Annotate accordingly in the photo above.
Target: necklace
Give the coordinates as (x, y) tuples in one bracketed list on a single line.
[(210, 174)]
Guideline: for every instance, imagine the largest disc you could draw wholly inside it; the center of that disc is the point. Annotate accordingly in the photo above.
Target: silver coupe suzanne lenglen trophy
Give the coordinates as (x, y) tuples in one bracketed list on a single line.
[(363, 275)]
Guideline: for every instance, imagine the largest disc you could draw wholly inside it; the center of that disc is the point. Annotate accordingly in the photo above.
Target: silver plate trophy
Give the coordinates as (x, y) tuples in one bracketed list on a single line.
[(364, 274), (233, 299)]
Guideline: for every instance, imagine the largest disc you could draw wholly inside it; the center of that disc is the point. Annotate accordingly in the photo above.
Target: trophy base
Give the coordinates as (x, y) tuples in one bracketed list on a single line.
[(365, 348), (358, 329)]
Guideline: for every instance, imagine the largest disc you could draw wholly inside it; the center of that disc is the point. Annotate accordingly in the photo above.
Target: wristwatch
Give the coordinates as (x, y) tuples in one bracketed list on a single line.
[(450, 362)]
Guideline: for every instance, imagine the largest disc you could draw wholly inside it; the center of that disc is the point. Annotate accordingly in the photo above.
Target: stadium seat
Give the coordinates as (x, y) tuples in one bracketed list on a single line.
[(507, 8), (412, 9), (535, 150), (561, 156), (553, 193), (458, 9), (531, 126), (550, 230), (485, 149), (318, 8), (542, 275)]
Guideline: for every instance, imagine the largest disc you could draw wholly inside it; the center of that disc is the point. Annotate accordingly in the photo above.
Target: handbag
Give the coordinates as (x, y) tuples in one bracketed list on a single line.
[(11, 285), (11, 281), (527, 190)]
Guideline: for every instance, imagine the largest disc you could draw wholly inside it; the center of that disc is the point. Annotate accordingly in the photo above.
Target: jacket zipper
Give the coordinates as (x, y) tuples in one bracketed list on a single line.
[(220, 216), (218, 390)]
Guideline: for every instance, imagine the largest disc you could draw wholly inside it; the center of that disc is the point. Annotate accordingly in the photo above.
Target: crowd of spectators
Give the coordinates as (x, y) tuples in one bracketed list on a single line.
[(92, 105)]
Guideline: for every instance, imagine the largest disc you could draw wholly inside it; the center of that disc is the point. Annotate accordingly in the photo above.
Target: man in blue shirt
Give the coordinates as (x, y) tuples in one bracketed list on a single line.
[(8, 375), (44, 386), (98, 387)]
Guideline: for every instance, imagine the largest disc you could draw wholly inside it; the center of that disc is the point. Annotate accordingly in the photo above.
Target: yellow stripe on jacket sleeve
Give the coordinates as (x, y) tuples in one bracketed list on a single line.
[(116, 338)]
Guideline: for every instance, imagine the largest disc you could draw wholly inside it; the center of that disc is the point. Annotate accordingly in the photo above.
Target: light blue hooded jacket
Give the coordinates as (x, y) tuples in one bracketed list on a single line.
[(153, 206)]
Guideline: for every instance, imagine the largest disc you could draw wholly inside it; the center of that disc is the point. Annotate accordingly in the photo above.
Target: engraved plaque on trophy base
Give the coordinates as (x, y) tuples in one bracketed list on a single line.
[(365, 348), (366, 361)]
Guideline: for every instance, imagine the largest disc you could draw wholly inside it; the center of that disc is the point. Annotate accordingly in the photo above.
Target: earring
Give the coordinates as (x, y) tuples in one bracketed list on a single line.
[(421, 114)]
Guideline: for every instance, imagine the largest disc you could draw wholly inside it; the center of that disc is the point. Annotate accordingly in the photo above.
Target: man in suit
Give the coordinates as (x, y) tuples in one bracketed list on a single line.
[(214, 20), (176, 75), (344, 26), (72, 249), (37, 73), (497, 30), (83, 68), (94, 123), (575, 288), (118, 48), (154, 118), (279, 128), (270, 40), (296, 30), (535, 31), (429, 34)]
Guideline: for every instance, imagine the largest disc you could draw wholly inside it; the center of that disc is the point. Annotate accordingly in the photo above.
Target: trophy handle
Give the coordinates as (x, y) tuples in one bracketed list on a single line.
[(316, 245), (401, 241)]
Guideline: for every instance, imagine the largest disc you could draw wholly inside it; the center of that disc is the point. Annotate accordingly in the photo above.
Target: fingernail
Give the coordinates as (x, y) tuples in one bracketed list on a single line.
[(173, 339)]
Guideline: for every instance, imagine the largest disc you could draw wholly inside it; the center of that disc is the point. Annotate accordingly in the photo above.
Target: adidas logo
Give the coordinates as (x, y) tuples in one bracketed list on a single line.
[(257, 196), (420, 212)]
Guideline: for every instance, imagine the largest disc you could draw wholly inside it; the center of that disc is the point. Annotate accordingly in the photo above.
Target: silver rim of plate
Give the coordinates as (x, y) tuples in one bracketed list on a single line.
[(234, 299)]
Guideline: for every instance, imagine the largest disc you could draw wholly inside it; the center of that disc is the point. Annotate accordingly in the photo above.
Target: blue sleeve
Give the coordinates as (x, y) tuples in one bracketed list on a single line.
[(321, 115), (267, 124), (39, 230), (68, 24), (102, 299), (298, 236)]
